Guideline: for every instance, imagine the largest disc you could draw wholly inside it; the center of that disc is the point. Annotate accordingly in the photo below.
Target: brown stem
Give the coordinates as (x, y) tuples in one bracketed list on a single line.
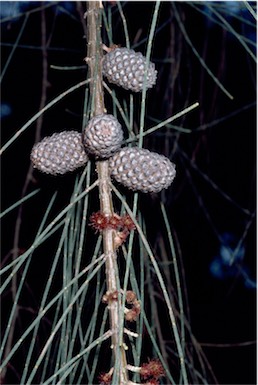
[(94, 57)]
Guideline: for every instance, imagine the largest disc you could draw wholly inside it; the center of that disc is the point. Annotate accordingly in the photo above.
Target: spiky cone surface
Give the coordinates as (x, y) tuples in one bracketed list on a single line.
[(142, 170), (126, 68), (59, 153), (102, 136)]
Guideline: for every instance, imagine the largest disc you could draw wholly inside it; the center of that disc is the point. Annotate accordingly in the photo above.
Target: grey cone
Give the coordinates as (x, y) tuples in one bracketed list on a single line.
[(60, 153), (126, 68), (142, 170), (102, 136)]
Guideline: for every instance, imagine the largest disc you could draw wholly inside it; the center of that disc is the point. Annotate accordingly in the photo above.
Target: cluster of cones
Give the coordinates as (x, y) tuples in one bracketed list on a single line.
[(136, 168)]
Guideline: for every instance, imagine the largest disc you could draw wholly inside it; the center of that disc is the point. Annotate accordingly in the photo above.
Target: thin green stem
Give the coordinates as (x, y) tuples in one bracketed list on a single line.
[(188, 40), (38, 114), (165, 122), (162, 285), (250, 9), (124, 24), (20, 201), (148, 53), (74, 360), (14, 47)]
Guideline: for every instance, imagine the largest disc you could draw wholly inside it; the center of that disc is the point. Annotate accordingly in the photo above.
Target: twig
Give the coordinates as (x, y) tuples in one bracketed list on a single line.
[(94, 56)]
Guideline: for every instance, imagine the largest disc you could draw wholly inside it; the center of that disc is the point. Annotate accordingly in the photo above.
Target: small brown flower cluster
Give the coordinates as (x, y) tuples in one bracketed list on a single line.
[(132, 313), (131, 299), (110, 296), (151, 372), (99, 222), (113, 46), (130, 296), (105, 378), (121, 224)]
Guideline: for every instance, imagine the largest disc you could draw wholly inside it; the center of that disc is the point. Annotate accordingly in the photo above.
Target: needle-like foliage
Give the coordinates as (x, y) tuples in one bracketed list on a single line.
[(111, 304)]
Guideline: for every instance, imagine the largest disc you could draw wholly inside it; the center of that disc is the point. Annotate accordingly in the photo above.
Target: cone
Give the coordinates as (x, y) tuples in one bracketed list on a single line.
[(141, 170), (102, 136), (126, 68), (60, 153)]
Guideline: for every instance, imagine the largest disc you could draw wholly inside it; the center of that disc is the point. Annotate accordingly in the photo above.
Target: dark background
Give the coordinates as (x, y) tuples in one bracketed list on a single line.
[(221, 297)]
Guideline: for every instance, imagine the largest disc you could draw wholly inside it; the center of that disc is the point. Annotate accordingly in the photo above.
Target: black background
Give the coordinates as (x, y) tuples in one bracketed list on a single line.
[(222, 311)]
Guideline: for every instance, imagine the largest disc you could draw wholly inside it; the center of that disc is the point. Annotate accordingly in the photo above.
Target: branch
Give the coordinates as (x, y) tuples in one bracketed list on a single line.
[(94, 58)]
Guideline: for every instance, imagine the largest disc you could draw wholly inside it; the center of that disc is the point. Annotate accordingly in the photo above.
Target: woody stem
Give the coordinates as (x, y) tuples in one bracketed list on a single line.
[(94, 57)]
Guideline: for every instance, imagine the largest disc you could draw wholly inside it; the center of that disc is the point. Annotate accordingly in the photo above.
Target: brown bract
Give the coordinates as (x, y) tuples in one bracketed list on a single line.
[(98, 221), (153, 369), (105, 378), (123, 224)]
